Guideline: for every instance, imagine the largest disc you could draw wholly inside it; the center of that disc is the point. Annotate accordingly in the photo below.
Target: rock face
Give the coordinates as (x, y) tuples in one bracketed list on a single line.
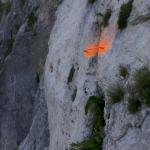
[(24, 33), (46, 111), (73, 30)]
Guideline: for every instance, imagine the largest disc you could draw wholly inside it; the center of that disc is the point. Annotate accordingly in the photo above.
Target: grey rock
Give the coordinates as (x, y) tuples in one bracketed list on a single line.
[(23, 111), (72, 31)]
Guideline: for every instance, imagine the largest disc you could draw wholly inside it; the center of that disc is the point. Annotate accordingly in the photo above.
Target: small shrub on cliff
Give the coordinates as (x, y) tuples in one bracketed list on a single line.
[(142, 83), (9, 46), (99, 14), (31, 19), (107, 17), (96, 106), (133, 104), (91, 1), (92, 143), (71, 74), (74, 94), (95, 141), (123, 71), (116, 93), (124, 14)]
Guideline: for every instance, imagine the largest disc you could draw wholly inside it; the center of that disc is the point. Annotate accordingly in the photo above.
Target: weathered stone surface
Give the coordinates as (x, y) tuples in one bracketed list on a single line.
[(24, 124), (38, 136), (23, 111), (73, 29)]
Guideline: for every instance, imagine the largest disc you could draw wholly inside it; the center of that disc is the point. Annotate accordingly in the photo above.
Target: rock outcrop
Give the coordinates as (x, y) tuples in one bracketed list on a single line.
[(73, 30), (24, 34), (45, 80)]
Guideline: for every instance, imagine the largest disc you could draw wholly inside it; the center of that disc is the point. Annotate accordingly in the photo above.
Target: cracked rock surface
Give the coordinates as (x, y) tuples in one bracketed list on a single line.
[(45, 80), (71, 33)]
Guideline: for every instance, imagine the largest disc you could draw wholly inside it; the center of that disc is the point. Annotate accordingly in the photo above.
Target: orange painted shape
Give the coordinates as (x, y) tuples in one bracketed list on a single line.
[(91, 50), (103, 45)]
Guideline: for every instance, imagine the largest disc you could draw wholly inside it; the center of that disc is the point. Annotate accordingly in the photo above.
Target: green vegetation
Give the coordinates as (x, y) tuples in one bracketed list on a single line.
[(4, 8), (99, 14), (116, 93), (9, 46), (124, 14), (138, 92), (142, 83), (37, 77), (71, 74), (95, 105), (123, 71), (91, 1), (133, 104), (31, 19), (1, 41), (92, 143), (107, 17), (74, 94)]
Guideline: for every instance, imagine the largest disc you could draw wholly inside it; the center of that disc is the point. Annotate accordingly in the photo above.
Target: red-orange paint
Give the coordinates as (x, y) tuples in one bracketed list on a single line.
[(103, 45)]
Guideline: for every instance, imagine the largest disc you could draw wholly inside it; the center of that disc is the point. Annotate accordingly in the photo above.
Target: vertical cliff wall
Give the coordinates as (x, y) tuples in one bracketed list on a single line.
[(46, 111), (25, 26), (70, 78)]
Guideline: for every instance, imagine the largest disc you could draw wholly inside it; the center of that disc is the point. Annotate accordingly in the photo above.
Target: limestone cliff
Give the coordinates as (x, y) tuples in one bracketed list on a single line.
[(45, 80), (24, 32), (73, 30)]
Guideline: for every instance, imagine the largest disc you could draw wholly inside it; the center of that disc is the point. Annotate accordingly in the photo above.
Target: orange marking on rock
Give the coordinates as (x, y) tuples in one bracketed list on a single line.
[(103, 45)]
